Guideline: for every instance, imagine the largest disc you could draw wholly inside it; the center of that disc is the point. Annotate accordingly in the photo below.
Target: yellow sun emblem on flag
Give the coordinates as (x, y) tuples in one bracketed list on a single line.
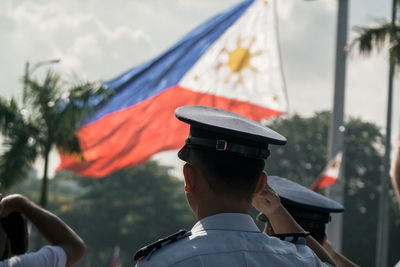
[(239, 59), (335, 165)]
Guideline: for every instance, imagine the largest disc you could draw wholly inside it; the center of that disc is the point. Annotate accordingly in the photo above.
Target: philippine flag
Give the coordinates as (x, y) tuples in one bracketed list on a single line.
[(330, 174), (231, 61)]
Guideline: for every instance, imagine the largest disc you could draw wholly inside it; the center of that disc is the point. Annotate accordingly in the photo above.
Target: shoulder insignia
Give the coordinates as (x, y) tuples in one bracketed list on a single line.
[(143, 252), (292, 237)]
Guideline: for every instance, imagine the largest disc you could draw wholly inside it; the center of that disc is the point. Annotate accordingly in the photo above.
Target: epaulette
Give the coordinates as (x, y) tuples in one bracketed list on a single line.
[(143, 252), (292, 237)]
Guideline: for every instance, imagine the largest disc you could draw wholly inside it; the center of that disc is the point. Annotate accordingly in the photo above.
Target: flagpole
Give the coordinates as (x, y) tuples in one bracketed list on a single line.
[(280, 55), (335, 143), (383, 222)]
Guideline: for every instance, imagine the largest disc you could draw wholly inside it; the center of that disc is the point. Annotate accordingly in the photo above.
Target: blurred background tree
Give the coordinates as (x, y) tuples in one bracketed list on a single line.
[(48, 117)]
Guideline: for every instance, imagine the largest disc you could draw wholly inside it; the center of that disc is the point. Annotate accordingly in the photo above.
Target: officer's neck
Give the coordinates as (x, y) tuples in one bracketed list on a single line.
[(211, 204)]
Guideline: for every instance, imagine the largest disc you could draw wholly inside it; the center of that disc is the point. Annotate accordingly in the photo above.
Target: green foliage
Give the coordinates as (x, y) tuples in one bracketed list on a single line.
[(305, 156), (376, 36), (130, 208), (49, 117), (363, 171), (19, 149), (9, 115), (57, 111)]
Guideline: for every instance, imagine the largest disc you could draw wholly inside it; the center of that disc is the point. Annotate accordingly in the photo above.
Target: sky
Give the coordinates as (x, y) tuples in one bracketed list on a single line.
[(98, 40)]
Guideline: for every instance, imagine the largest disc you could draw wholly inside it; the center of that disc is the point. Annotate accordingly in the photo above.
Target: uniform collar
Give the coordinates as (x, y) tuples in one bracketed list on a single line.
[(227, 222)]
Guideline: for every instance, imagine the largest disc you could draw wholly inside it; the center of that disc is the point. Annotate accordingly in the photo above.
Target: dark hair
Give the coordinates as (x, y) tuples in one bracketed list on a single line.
[(316, 228), (228, 174), (310, 220)]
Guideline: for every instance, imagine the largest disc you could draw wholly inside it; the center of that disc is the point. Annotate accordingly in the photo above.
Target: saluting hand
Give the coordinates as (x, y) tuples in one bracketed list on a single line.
[(267, 201)]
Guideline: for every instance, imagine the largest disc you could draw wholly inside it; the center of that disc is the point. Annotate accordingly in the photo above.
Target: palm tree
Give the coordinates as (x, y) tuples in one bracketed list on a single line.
[(48, 118), (375, 38)]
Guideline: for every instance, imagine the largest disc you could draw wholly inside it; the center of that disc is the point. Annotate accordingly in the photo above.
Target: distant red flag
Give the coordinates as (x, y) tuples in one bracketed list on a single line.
[(330, 174)]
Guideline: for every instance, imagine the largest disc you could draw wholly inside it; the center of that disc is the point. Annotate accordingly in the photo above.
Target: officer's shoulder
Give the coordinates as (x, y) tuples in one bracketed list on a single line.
[(161, 243)]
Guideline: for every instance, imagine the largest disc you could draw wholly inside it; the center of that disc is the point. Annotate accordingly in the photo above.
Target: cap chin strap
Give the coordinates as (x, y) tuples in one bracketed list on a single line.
[(223, 145)]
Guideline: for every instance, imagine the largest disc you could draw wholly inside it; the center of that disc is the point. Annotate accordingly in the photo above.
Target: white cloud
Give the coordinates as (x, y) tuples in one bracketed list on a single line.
[(367, 86), (84, 41), (307, 46), (284, 9), (46, 16)]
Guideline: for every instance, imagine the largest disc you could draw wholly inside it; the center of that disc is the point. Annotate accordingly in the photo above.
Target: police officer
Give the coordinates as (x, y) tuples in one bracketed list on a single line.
[(310, 209), (223, 176)]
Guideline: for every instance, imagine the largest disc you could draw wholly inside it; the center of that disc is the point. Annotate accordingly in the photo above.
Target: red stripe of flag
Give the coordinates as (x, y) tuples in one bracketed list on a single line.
[(131, 136)]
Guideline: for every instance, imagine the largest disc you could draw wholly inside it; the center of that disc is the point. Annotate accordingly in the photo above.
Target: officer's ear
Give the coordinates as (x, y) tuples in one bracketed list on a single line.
[(189, 175), (262, 182)]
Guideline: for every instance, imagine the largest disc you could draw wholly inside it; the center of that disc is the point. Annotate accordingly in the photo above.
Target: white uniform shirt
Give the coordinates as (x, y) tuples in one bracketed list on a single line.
[(231, 239), (47, 256)]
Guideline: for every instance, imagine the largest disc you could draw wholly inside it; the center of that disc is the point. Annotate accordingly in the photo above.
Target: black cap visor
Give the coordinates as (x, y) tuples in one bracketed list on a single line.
[(183, 153)]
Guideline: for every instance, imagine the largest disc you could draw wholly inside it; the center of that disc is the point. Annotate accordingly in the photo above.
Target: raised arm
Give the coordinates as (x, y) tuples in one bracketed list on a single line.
[(268, 202), (54, 230), (340, 259)]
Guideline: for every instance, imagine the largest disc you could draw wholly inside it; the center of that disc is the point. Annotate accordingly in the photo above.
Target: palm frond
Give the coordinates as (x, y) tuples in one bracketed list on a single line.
[(394, 52), (9, 116), (370, 38), (40, 93), (80, 102), (41, 98), (53, 118), (20, 153)]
